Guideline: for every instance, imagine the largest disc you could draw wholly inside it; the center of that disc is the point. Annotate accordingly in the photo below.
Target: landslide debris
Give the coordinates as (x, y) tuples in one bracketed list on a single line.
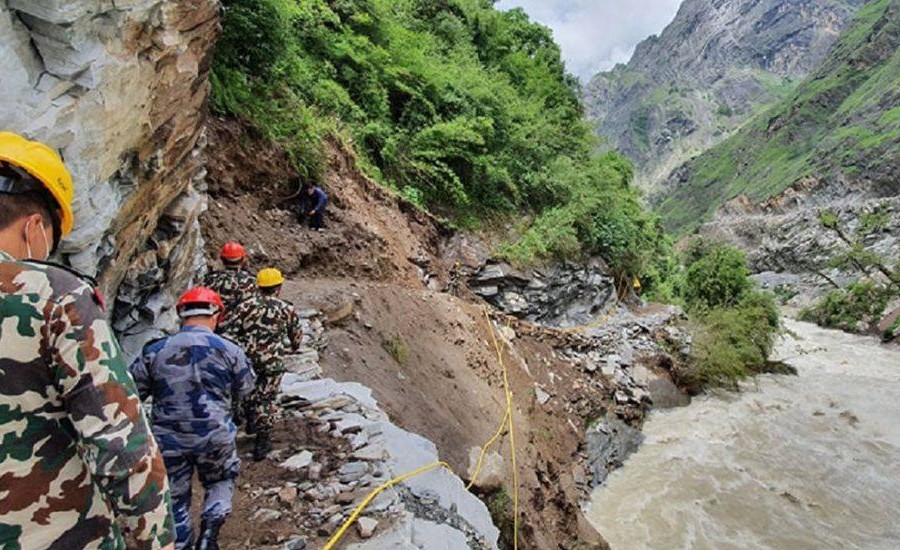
[(427, 358)]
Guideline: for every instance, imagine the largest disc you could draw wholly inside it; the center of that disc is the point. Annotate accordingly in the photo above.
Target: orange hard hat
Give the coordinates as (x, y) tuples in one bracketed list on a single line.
[(233, 251)]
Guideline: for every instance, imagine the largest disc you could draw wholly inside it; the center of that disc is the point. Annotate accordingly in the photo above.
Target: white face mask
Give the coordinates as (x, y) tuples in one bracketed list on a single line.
[(46, 244)]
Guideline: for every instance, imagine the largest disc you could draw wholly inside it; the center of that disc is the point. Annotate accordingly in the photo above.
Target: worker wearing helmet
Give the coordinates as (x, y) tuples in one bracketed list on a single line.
[(192, 377), (233, 283), (268, 328), (79, 462)]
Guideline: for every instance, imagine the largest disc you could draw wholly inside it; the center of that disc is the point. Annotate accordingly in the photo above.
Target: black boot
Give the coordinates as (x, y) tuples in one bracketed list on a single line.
[(250, 420), (209, 534), (263, 445)]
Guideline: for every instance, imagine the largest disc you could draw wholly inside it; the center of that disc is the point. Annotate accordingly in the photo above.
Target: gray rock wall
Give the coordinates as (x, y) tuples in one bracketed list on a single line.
[(563, 295), (787, 244), (119, 89)]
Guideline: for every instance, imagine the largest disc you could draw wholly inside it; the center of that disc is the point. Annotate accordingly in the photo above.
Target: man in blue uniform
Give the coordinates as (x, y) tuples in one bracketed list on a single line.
[(193, 376), (313, 202)]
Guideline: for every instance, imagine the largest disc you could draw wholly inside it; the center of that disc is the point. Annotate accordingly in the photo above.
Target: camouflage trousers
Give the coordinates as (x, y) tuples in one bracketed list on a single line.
[(263, 402), (217, 467)]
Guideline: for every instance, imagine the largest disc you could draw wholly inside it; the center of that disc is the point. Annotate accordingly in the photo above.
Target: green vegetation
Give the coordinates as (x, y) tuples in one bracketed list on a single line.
[(736, 325), (724, 110), (716, 276), (830, 125), (640, 125), (500, 506), (860, 306), (462, 109), (852, 309), (396, 348), (892, 331)]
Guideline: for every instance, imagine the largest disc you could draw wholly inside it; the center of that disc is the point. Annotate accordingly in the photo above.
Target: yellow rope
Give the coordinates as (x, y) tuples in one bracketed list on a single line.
[(507, 419), (512, 436), (359, 509), (484, 449)]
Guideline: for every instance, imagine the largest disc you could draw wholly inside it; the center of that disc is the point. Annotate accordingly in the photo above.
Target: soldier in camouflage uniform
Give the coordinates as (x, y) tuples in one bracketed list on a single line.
[(192, 377), (268, 329), (79, 467), (234, 284)]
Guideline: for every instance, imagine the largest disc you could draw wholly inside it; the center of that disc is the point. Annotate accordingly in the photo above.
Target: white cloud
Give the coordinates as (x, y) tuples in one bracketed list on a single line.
[(596, 34)]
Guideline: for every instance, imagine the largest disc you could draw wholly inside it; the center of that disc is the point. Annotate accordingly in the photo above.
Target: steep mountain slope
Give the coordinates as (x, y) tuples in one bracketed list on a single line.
[(839, 133), (461, 108), (717, 64)]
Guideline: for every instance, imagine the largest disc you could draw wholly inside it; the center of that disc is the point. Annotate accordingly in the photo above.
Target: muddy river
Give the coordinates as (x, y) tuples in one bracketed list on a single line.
[(793, 462)]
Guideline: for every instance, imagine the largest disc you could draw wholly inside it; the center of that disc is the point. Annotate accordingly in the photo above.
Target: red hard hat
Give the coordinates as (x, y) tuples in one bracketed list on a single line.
[(199, 296), (233, 251)]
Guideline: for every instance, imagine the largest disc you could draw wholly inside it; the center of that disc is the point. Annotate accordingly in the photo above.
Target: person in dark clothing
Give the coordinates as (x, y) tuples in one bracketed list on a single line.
[(313, 202)]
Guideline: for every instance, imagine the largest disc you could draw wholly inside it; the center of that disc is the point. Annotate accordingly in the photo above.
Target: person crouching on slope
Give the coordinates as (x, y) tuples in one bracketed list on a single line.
[(268, 329), (233, 283), (312, 204), (192, 377), (79, 462)]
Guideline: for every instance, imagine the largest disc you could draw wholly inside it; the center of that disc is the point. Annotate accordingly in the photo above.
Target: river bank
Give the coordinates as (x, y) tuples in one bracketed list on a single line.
[(806, 461)]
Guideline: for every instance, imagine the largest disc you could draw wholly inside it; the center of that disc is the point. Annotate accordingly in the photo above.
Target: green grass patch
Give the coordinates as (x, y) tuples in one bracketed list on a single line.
[(854, 309), (397, 348)]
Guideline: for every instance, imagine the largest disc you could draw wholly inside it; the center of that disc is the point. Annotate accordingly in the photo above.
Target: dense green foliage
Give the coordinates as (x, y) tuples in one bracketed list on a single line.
[(842, 118), (853, 309), (733, 343), (716, 276), (736, 325), (461, 108)]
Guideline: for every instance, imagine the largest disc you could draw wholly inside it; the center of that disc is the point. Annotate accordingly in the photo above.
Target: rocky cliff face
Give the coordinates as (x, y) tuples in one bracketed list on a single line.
[(832, 146), (712, 68), (119, 89)]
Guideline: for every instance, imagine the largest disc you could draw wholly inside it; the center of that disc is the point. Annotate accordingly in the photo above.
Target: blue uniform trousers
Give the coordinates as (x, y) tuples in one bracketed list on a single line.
[(217, 467)]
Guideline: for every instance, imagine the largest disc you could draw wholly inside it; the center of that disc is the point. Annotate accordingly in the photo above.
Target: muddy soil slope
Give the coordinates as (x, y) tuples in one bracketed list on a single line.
[(428, 356)]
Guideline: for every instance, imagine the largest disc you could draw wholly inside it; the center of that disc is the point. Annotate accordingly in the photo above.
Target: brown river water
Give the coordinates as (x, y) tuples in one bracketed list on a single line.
[(793, 462)]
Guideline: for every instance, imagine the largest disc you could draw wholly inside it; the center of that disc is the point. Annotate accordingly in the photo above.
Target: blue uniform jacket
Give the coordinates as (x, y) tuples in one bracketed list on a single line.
[(192, 376), (319, 199)]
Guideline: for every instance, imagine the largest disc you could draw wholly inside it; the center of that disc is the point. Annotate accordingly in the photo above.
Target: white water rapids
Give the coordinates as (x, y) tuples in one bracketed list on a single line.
[(793, 462)]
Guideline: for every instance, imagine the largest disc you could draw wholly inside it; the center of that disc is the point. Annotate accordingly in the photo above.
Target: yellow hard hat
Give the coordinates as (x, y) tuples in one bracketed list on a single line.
[(269, 277), (44, 165)]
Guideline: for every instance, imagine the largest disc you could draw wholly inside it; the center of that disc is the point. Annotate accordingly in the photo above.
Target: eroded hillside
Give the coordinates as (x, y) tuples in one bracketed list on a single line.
[(393, 324)]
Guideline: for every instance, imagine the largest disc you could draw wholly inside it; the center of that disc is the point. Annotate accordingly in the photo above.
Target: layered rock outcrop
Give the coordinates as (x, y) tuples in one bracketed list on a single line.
[(563, 295), (717, 64), (119, 89)]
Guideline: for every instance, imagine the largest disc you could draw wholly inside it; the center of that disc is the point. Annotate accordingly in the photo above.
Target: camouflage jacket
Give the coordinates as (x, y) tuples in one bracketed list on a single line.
[(78, 463), (268, 329), (233, 285), (192, 376)]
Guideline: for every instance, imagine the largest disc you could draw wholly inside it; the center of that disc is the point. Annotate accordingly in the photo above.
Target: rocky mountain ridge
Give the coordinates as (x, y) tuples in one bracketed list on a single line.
[(717, 64), (832, 146)]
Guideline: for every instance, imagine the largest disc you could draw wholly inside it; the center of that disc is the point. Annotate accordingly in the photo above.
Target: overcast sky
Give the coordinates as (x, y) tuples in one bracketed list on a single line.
[(597, 34)]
